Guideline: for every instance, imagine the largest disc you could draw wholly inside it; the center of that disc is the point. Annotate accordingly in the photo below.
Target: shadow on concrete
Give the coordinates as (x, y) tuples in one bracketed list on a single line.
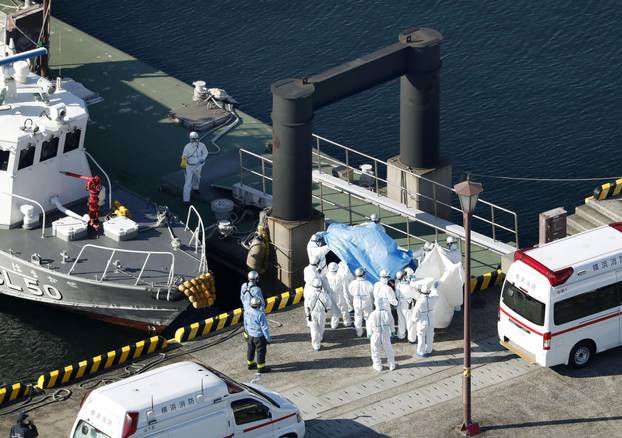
[(339, 428), (551, 423), (327, 363)]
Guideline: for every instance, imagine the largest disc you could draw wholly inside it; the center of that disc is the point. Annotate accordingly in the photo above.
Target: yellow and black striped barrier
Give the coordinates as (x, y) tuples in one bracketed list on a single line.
[(487, 280), (11, 393), (103, 361), (608, 190), (216, 323)]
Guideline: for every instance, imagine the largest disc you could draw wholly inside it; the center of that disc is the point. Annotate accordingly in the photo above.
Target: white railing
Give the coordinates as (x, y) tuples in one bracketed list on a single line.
[(198, 237), (379, 184), (23, 198), (114, 251)]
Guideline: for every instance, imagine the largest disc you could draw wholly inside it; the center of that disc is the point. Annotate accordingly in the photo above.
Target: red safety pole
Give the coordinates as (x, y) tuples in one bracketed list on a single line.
[(94, 187)]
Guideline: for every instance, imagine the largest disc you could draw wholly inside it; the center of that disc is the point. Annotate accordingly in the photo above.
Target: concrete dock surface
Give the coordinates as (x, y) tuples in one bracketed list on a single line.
[(340, 395)]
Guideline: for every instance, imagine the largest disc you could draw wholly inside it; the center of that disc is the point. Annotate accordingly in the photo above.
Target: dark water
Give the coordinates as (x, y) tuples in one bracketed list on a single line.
[(528, 89)]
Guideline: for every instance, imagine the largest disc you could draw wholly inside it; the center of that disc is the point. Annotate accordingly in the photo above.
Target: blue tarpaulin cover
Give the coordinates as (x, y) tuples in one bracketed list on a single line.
[(368, 246)]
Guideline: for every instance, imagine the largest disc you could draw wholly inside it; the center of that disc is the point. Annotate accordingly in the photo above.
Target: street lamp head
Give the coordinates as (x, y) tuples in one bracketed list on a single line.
[(468, 192)]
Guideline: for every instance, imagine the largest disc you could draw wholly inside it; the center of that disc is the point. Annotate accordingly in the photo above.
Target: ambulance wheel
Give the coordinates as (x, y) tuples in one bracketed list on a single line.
[(289, 435), (581, 354)]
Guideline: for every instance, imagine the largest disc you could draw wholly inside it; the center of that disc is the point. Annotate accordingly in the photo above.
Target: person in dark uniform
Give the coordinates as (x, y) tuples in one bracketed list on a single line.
[(256, 326), (24, 428)]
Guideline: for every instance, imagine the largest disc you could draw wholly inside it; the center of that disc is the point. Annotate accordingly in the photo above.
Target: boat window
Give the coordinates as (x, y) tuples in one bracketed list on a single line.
[(72, 141), (85, 430), (248, 410), (49, 149), (4, 159), (587, 304), (521, 303), (26, 157)]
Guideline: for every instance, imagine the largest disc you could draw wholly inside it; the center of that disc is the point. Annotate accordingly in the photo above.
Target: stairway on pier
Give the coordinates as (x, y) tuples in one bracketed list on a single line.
[(594, 214)]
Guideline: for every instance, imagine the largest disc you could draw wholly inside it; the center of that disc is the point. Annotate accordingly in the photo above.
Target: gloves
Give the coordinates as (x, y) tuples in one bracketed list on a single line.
[(183, 163)]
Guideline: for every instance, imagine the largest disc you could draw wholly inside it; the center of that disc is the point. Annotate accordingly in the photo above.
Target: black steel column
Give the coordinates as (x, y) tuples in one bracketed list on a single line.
[(292, 126), (420, 99)]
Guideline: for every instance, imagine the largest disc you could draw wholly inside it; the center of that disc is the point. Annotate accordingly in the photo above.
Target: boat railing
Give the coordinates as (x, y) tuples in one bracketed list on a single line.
[(248, 172), (114, 251), (198, 237), (376, 180), (101, 169), (23, 198)]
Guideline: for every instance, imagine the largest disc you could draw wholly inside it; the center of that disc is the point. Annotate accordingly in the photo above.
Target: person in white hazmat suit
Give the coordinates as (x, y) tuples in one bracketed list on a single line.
[(317, 305), (454, 255), (336, 288), (192, 160), (383, 293), (402, 294), (423, 315), (411, 322), (380, 328), (317, 248), (361, 291), (346, 278), (310, 273)]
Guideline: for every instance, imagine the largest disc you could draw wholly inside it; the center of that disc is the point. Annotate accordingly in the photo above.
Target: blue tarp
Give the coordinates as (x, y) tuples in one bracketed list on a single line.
[(368, 246)]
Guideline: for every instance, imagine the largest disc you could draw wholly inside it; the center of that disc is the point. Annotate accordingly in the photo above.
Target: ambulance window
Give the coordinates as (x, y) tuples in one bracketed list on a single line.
[(587, 304), (26, 157), (521, 303), (85, 430), (248, 410), (72, 141), (49, 149), (4, 159)]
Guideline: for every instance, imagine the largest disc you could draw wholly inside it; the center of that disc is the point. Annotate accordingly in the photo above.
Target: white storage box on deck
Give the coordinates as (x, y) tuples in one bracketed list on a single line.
[(69, 228), (120, 228)]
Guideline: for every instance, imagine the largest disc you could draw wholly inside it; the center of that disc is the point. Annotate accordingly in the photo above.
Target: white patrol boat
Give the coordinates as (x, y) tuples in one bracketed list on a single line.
[(67, 237)]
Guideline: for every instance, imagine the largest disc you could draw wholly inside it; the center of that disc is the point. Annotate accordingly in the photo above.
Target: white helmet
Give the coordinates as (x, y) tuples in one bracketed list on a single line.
[(428, 246), (316, 283), (374, 218), (384, 273), (315, 237), (314, 261), (409, 271), (253, 276), (332, 267), (255, 303), (194, 136), (360, 272), (425, 289), (451, 240), (399, 275)]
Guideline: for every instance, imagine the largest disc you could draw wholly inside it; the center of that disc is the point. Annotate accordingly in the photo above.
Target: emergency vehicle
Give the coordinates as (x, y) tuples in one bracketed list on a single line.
[(185, 399), (560, 302)]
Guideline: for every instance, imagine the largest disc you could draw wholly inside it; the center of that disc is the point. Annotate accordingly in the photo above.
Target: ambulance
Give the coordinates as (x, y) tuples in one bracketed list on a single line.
[(560, 302), (186, 399)]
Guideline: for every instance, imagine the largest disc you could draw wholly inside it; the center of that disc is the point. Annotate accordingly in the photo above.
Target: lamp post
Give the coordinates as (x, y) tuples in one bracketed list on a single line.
[(468, 192)]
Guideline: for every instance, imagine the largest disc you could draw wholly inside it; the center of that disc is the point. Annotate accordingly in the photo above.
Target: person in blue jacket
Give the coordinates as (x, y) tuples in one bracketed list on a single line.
[(256, 326), (250, 290)]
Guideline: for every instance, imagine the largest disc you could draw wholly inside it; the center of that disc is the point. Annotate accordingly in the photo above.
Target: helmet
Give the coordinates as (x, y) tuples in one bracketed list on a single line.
[(425, 289), (428, 246), (332, 267), (399, 275), (409, 271), (360, 272), (374, 218), (314, 261), (384, 273), (316, 283), (255, 303), (253, 276), (316, 237), (194, 136), (451, 240)]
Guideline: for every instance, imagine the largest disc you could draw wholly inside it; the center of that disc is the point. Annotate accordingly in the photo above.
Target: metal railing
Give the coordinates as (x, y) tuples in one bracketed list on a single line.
[(198, 237), (114, 251), (266, 162), (381, 184), (23, 198)]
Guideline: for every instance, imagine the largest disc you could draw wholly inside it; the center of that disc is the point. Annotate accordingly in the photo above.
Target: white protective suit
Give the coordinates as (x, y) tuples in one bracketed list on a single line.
[(414, 294), (310, 273), (362, 302), (379, 330), (195, 154), (384, 298), (336, 288), (403, 297), (317, 305), (315, 250), (346, 278), (423, 315)]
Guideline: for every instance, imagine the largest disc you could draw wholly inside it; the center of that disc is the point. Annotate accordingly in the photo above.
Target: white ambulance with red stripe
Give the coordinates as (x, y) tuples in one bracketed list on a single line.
[(561, 302), (183, 400)]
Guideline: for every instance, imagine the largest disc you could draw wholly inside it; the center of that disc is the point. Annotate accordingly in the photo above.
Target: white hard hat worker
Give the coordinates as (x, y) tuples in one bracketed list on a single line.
[(451, 240), (253, 277), (428, 246), (194, 136), (374, 218), (360, 272), (384, 273), (316, 237), (333, 267), (193, 158)]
